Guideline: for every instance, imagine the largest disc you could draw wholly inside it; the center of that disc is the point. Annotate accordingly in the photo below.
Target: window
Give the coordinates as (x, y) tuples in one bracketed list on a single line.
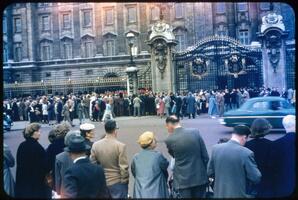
[(154, 13), (45, 20), (45, 50), (88, 49), (87, 18), (48, 74), (109, 18), (5, 53), (265, 6), (178, 10), (132, 14), (43, 5), (181, 42), (220, 8), (241, 7), (89, 72), (18, 52), (243, 37), (66, 21), (260, 105), (4, 25), (67, 50), (17, 25), (67, 73), (110, 45)]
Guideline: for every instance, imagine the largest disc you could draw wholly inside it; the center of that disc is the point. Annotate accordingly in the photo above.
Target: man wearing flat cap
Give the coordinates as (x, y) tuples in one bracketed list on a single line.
[(83, 179), (233, 166), (87, 131)]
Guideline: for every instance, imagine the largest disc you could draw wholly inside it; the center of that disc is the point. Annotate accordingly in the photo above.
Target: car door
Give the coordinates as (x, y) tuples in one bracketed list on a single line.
[(279, 109)]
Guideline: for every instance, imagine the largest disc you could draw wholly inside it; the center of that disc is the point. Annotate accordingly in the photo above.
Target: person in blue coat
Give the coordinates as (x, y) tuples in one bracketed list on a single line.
[(191, 105), (149, 168), (212, 106)]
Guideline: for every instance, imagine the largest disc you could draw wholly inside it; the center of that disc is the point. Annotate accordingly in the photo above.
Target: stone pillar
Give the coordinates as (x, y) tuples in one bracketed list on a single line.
[(272, 37), (162, 42)]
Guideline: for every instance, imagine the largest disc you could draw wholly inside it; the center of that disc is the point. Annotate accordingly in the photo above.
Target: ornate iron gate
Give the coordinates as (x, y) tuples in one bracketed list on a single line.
[(218, 62)]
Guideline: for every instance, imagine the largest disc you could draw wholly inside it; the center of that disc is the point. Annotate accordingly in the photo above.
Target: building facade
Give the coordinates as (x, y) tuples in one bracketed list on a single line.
[(47, 43)]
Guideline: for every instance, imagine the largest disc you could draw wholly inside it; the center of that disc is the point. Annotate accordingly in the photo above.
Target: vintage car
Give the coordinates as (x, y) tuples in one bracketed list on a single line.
[(271, 108)]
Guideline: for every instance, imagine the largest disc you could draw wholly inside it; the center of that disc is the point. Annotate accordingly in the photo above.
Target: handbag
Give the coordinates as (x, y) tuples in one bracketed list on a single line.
[(173, 109)]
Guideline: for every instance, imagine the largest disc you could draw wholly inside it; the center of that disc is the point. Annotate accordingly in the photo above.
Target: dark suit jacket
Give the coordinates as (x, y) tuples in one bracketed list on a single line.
[(232, 166), (191, 158), (264, 159), (85, 180), (285, 156)]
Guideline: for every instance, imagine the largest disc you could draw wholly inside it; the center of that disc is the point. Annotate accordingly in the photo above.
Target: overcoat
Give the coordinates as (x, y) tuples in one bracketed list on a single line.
[(85, 180), (149, 168), (264, 159), (8, 162), (188, 149), (233, 167), (31, 170)]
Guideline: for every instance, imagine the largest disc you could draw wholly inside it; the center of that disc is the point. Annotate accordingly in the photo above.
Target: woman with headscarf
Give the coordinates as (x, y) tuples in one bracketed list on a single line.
[(263, 157), (31, 166), (149, 168)]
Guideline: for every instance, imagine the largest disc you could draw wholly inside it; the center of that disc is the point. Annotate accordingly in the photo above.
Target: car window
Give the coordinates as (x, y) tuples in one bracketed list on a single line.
[(260, 105), (277, 105)]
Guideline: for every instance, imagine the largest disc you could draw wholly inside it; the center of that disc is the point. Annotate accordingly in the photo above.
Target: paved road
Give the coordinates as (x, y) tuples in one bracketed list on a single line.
[(131, 128)]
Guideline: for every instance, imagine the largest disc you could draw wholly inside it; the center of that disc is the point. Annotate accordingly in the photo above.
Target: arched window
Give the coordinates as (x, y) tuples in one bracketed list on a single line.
[(46, 50)]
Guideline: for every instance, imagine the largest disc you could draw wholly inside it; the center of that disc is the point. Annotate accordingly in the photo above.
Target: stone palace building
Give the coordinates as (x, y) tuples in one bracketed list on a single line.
[(62, 47)]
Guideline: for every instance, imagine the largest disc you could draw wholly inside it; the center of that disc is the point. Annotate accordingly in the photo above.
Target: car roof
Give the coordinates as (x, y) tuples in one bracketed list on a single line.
[(268, 98)]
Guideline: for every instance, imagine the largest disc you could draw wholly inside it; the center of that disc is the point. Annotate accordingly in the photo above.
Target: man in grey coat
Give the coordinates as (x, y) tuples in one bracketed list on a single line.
[(233, 166), (188, 149)]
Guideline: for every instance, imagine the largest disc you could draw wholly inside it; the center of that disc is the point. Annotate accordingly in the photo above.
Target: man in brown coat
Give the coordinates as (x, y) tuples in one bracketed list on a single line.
[(111, 155)]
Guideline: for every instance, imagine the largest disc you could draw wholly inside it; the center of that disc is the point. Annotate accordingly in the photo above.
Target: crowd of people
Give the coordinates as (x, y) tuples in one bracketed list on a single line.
[(99, 107), (73, 166)]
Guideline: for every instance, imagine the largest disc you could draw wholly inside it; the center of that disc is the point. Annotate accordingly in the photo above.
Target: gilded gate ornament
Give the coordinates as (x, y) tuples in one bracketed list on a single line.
[(235, 65), (199, 66)]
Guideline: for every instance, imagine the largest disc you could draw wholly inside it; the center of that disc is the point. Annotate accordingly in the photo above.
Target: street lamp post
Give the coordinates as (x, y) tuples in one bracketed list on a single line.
[(132, 70)]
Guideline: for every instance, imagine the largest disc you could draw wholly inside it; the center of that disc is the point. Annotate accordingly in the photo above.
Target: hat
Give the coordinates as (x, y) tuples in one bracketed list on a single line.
[(77, 144), (146, 138), (242, 130), (69, 135), (260, 127), (87, 127)]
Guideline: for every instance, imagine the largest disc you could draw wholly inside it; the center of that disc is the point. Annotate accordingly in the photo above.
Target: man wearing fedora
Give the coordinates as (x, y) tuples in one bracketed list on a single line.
[(83, 179), (111, 154), (233, 166)]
